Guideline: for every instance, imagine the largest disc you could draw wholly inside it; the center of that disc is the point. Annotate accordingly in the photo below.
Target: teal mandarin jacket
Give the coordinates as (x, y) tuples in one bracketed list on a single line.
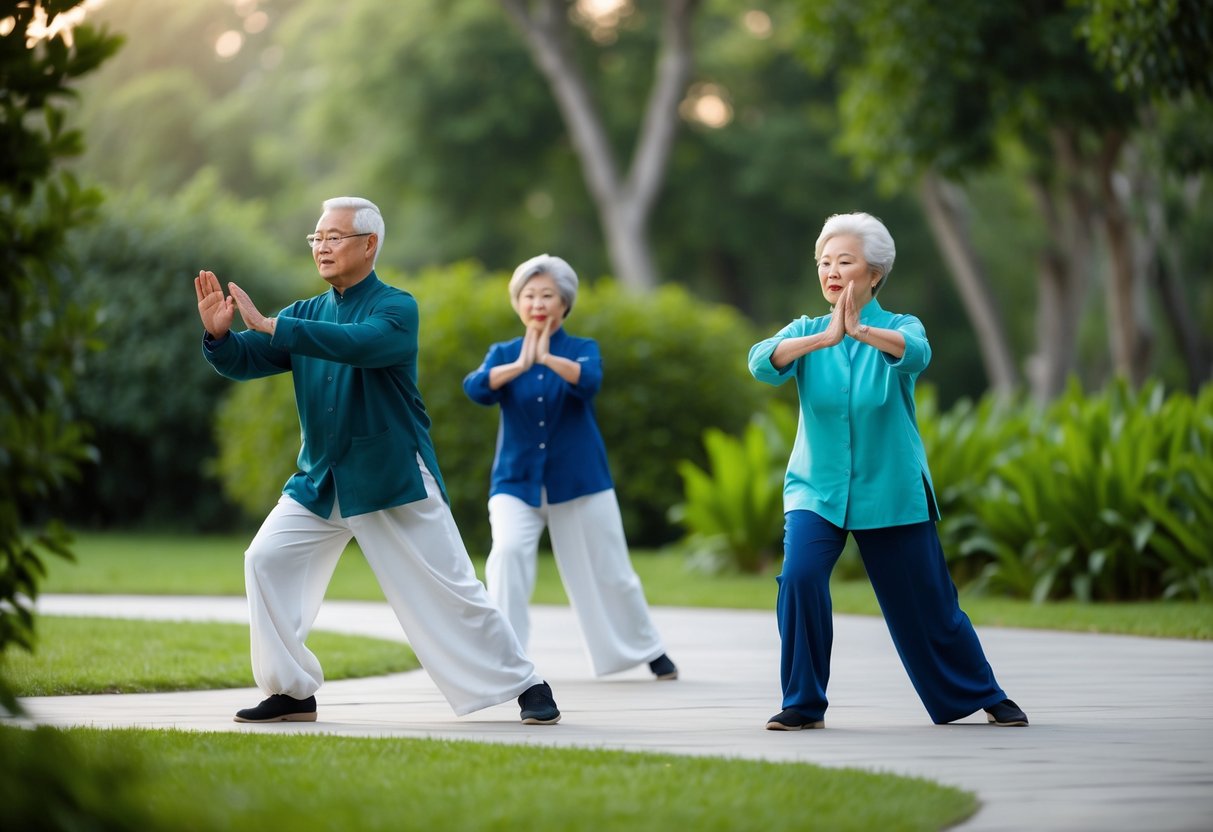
[(353, 357), (858, 459)]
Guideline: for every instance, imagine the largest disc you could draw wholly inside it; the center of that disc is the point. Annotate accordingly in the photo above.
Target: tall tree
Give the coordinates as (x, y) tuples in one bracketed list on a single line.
[(948, 91), (916, 123), (624, 200), (1162, 55), (44, 336)]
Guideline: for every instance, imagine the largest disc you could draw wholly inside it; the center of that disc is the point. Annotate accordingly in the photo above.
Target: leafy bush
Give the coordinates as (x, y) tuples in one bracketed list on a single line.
[(963, 446), (734, 510), (1106, 497), (43, 442), (149, 395), (674, 366)]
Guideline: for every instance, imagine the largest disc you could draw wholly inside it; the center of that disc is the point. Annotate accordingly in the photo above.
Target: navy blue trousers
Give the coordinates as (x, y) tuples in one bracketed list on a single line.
[(935, 639)]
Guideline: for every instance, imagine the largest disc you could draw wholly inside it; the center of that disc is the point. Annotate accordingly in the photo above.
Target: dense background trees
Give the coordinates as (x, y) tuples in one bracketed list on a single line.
[(1046, 187)]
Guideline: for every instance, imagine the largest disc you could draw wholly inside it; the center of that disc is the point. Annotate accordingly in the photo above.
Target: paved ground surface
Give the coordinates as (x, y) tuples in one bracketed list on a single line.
[(1121, 735)]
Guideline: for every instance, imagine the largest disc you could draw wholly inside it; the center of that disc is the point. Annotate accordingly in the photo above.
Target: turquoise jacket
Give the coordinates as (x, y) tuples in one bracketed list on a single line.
[(858, 459), (353, 358)]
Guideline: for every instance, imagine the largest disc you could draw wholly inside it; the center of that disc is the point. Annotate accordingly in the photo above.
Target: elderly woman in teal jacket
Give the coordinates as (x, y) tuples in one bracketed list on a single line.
[(858, 467)]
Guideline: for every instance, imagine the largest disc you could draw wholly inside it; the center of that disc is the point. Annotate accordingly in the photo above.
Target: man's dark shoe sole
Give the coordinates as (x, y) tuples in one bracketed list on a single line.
[(534, 720)]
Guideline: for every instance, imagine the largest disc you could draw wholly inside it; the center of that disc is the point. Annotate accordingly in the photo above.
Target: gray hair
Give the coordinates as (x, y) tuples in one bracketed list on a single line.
[(874, 238), (562, 275), (367, 219)]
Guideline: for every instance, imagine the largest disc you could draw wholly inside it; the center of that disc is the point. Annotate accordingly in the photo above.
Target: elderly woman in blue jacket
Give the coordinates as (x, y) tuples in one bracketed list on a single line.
[(551, 470), (858, 467)]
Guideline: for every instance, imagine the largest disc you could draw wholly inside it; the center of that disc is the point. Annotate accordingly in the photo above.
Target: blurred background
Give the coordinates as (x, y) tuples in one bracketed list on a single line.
[(1042, 165)]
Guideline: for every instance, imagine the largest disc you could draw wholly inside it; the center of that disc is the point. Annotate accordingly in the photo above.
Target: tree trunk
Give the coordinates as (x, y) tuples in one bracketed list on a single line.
[(947, 221), (624, 203), (1159, 252), (1129, 337), (1063, 269)]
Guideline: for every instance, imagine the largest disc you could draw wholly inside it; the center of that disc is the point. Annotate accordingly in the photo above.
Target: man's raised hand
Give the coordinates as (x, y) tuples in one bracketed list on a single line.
[(215, 310)]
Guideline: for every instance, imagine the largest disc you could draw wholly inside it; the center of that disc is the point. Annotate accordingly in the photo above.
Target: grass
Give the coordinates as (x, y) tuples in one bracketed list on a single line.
[(185, 780), (182, 780), (195, 565), (100, 655)]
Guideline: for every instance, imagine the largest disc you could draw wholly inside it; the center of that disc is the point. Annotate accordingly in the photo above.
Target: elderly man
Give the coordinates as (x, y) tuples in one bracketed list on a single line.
[(367, 470)]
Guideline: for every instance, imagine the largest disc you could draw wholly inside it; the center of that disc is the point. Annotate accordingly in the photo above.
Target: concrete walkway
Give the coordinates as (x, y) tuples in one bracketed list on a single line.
[(1121, 735)]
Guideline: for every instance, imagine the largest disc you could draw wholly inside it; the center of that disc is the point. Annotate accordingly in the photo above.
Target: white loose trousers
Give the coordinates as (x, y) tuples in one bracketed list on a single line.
[(415, 550), (592, 556)]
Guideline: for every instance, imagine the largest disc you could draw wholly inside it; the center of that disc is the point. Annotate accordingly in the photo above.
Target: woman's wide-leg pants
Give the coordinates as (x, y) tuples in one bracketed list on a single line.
[(592, 556), (934, 638), (415, 550)]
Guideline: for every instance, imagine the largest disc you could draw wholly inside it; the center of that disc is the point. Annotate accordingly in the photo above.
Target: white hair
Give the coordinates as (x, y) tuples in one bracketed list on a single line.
[(874, 239), (367, 219), (562, 275)]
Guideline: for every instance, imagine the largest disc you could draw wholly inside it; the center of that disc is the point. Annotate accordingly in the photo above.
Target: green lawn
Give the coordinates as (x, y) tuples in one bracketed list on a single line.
[(185, 780), (158, 780), (101, 655), (193, 565)]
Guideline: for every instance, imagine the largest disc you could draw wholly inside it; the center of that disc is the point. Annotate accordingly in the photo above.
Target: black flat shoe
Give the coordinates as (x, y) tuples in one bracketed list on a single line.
[(790, 720), (663, 668), (280, 708), (538, 706), (1007, 714)]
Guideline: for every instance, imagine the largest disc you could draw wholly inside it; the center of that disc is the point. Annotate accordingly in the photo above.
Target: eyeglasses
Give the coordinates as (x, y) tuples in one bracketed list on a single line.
[(332, 240)]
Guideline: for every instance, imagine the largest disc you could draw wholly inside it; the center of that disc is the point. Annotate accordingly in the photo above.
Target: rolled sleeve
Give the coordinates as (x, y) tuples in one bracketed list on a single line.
[(917, 353), (760, 354)]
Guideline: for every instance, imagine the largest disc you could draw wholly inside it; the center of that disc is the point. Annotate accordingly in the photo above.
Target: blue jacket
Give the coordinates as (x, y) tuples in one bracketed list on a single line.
[(547, 437), (353, 358), (858, 459)]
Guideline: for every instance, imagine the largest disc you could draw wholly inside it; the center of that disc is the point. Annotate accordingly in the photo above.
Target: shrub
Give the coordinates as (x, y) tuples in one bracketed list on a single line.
[(674, 366), (733, 510), (1105, 497)]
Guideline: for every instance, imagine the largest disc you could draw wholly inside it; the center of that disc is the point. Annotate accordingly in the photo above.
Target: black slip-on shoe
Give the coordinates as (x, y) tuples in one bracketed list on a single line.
[(280, 708), (790, 720), (538, 706), (1007, 714), (663, 668)]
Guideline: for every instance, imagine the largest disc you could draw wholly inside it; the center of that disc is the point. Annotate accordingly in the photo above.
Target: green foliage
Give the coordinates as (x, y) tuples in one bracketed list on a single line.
[(148, 394), (1163, 47), (1101, 498), (661, 353), (1106, 497), (43, 442), (734, 510), (931, 86), (674, 366)]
